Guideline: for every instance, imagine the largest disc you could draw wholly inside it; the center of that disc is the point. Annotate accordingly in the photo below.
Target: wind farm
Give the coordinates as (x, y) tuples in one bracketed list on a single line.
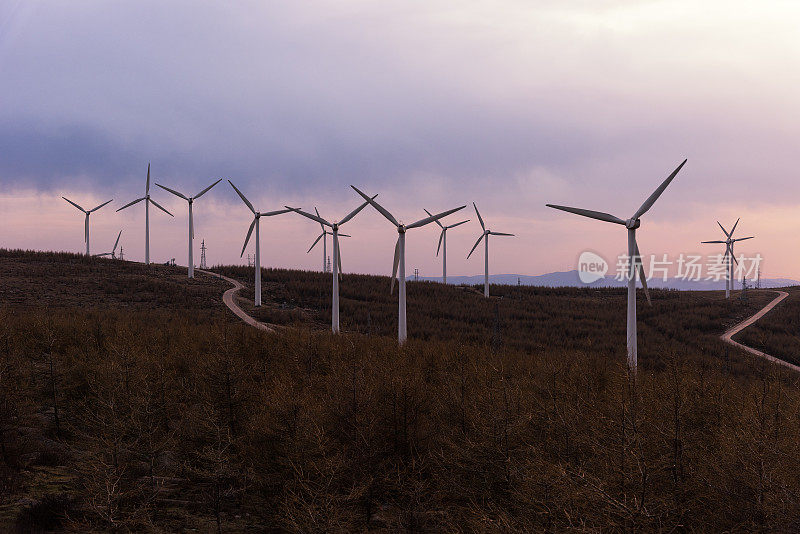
[(533, 372)]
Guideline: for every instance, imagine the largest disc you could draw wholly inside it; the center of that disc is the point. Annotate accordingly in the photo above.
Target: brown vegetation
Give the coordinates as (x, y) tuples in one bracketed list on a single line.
[(170, 421)]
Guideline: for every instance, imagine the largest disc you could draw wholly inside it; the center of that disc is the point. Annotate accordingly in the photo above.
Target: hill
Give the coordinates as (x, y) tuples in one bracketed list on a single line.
[(571, 279), (164, 416)]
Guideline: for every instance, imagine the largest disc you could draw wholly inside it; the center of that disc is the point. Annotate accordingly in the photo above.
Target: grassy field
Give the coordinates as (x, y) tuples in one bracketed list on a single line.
[(128, 414)]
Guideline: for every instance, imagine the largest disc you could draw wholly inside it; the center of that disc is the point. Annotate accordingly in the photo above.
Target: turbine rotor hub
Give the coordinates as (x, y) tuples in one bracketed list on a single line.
[(401, 228), (633, 224)]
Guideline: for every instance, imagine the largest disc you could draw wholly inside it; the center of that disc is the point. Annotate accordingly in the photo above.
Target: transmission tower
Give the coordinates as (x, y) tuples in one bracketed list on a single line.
[(203, 255), (416, 275), (328, 265), (121, 254)]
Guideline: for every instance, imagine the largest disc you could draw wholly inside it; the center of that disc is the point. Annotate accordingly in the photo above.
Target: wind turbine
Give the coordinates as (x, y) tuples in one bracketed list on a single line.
[(337, 255), (443, 241), (729, 241), (400, 257), (485, 235), (635, 259), (190, 200), (324, 236), (256, 222), (86, 220), (113, 252), (147, 203)]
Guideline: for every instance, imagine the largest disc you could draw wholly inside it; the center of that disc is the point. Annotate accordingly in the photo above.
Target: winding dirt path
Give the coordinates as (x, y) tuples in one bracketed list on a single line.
[(727, 336), (229, 298)]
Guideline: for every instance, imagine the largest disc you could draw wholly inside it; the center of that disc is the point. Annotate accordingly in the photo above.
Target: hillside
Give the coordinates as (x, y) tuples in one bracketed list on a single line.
[(160, 415)]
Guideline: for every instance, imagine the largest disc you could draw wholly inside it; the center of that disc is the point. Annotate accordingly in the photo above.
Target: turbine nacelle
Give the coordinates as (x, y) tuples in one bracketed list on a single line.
[(633, 224)]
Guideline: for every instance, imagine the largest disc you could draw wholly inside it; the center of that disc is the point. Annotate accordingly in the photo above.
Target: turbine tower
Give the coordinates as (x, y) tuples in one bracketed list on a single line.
[(400, 258), (113, 252), (190, 201), (86, 219), (729, 257), (256, 223), (337, 255), (634, 258), (485, 235), (443, 241), (147, 203)]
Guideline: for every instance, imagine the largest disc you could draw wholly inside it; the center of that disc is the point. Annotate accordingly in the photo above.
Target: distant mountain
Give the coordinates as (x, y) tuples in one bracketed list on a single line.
[(571, 279)]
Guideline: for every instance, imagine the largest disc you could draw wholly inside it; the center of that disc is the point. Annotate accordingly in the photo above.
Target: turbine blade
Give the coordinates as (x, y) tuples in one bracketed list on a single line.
[(71, 202), (147, 186), (247, 202), (103, 254), (599, 215), (159, 206), (735, 225), (377, 206), (204, 191), (428, 220), (500, 233), (117, 241), (441, 236), (100, 206), (173, 192), (355, 212), (437, 220), (641, 273), (246, 239), (724, 230), (657, 193), (480, 219), (743, 238), (344, 235), (131, 203), (317, 218), (320, 216), (458, 224), (315, 242), (276, 212), (395, 264), (476, 245), (338, 255), (706, 242)]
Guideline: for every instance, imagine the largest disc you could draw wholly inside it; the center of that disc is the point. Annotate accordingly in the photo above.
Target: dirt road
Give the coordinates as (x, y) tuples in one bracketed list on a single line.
[(229, 299), (726, 337)]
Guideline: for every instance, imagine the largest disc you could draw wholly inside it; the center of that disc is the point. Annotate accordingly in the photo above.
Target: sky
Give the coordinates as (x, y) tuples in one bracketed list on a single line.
[(509, 104)]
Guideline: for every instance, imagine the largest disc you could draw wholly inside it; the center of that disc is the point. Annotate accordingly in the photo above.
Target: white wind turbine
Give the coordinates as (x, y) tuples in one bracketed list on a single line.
[(729, 241), (147, 203), (190, 200), (443, 241), (256, 223), (113, 252), (400, 257), (86, 219), (324, 236), (485, 235), (635, 259), (337, 255)]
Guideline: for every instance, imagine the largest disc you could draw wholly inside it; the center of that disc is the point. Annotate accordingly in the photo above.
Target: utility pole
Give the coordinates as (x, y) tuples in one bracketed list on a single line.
[(203, 255)]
